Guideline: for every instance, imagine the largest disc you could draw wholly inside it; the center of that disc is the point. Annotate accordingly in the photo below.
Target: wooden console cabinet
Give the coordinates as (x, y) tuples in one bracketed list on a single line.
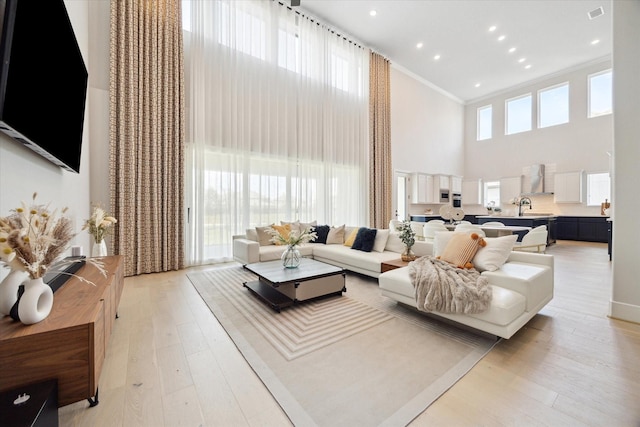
[(70, 344)]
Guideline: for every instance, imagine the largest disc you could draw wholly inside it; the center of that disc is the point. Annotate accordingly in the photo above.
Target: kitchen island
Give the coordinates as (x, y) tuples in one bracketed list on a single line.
[(532, 221)]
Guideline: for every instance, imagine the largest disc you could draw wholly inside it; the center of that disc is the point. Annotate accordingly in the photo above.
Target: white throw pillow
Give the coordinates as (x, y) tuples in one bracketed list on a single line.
[(381, 240), (252, 234), (493, 256), (394, 244)]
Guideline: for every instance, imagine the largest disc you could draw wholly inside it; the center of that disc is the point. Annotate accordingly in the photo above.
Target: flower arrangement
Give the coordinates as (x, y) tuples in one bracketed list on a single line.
[(99, 224), (294, 238), (406, 233), (33, 238)]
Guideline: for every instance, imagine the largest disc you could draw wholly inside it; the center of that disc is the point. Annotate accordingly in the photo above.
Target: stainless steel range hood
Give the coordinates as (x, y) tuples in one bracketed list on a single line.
[(537, 181)]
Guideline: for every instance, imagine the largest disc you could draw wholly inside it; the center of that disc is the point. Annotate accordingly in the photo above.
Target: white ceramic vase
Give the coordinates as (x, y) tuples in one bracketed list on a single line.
[(99, 249), (36, 302), (9, 290), (291, 257)]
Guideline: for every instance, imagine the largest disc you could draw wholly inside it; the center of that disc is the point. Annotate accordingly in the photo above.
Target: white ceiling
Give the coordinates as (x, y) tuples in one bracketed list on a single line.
[(552, 35)]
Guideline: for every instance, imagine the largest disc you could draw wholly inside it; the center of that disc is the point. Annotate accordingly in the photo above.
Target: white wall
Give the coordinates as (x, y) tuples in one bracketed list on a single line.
[(23, 172), (625, 299), (426, 129), (581, 144)]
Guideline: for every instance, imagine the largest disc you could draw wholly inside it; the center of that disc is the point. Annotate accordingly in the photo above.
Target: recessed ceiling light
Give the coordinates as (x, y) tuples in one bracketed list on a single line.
[(419, 45), (521, 60), (596, 41), (492, 28), (477, 84), (596, 12), (502, 37), (513, 49), (526, 67), (436, 57), (373, 13)]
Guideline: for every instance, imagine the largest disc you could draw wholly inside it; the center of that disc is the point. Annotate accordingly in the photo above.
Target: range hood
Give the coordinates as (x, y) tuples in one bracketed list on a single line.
[(537, 181)]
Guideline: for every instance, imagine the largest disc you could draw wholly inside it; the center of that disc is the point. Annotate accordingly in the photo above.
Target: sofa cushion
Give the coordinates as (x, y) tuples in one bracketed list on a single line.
[(348, 241), (322, 231), (381, 240), (365, 238), (343, 256), (495, 253), (461, 249), (264, 238), (283, 230), (274, 252), (394, 244), (336, 235)]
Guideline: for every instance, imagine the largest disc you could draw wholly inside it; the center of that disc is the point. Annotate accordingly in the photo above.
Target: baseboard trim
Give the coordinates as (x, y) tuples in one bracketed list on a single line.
[(622, 311)]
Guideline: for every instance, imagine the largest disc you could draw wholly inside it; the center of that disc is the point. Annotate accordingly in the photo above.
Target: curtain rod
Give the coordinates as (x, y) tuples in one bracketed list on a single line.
[(317, 22)]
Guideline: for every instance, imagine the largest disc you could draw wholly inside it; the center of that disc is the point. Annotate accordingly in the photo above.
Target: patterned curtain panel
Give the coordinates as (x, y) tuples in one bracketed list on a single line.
[(380, 173), (147, 134)]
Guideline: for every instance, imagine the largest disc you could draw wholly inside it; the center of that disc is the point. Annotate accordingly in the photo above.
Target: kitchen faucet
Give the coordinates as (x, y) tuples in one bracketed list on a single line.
[(523, 201)]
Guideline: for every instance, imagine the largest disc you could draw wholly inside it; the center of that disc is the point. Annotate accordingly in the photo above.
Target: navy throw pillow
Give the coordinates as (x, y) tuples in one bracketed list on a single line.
[(322, 231), (365, 239)]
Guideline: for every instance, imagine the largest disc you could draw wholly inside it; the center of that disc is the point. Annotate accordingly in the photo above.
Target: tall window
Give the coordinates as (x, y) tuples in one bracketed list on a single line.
[(598, 188), (600, 94), (553, 105), (485, 118), (277, 123), (518, 111), (492, 193)]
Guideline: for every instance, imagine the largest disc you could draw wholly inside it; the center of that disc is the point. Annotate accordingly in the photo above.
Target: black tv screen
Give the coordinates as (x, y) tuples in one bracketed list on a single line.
[(43, 80)]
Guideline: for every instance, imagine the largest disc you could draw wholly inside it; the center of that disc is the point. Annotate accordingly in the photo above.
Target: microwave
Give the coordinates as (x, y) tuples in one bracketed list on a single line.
[(444, 196)]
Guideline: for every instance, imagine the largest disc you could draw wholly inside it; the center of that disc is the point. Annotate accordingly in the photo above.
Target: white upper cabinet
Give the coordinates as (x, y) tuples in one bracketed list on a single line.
[(472, 192), (422, 190), (443, 182), (456, 184), (568, 187)]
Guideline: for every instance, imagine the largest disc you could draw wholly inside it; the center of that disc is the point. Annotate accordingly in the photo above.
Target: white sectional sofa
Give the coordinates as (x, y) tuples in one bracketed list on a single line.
[(247, 250), (521, 288)]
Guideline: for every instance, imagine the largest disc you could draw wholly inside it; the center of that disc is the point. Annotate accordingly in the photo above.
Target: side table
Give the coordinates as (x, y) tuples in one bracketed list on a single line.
[(393, 264)]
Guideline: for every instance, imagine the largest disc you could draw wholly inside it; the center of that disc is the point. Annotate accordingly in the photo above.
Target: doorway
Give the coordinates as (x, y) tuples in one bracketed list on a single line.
[(401, 195)]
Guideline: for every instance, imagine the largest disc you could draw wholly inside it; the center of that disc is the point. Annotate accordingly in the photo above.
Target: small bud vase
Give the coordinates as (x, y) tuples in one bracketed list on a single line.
[(35, 303), (99, 249), (9, 290), (291, 257)]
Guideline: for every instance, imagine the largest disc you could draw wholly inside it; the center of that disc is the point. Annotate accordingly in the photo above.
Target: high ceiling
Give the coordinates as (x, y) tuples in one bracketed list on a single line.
[(551, 35)]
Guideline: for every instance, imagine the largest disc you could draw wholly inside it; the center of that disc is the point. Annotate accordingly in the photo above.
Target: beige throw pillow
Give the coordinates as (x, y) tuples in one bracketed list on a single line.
[(461, 249), (336, 235), (264, 238)]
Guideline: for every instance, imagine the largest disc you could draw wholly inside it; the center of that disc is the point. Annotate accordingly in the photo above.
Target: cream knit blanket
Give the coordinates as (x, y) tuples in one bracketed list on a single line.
[(440, 286)]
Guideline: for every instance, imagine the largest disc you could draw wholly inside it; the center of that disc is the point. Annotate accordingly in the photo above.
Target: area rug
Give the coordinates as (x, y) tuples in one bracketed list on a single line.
[(358, 359)]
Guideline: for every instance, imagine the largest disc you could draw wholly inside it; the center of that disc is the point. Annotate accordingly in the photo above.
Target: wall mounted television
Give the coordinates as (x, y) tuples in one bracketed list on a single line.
[(43, 80)]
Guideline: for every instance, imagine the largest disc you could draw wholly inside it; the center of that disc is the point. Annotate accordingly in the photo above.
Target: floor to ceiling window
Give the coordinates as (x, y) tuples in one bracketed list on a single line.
[(277, 123)]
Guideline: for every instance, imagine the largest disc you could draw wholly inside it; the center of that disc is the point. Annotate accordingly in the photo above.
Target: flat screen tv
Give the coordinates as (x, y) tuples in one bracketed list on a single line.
[(43, 80)]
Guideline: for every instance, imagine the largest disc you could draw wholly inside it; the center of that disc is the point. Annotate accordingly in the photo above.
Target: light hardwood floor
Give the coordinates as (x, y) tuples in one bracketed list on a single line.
[(170, 363)]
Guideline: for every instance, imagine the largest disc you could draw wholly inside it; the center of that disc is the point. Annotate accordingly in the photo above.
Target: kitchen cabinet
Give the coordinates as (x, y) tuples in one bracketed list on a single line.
[(422, 189), (471, 192), (510, 188), (443, 182), (456, 184), (568, 187), (586, 229)]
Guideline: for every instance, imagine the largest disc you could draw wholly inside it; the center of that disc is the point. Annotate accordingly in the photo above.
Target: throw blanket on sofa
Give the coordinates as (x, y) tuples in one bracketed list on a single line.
[(442, 287)]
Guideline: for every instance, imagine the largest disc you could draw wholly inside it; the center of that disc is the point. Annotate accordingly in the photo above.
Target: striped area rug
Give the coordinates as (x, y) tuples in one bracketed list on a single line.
[(300, 329), (358, 359)]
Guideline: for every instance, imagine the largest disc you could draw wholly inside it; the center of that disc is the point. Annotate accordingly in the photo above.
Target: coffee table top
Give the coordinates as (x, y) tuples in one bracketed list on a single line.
[(275, 272)]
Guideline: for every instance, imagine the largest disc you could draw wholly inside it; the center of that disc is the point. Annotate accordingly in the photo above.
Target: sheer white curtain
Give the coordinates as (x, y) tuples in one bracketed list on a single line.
[(277, 123)]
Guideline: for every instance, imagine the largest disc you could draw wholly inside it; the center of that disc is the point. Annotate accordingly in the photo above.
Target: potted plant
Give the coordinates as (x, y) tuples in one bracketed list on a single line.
[(408, 237)]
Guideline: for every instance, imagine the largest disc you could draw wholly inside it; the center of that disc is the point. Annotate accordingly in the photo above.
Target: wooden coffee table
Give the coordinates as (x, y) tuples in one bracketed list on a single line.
[(393, 264), (282, 287)]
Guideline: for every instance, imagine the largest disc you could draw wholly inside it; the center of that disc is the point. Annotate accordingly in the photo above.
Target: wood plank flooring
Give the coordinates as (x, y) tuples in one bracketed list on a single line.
[(170, 363)]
